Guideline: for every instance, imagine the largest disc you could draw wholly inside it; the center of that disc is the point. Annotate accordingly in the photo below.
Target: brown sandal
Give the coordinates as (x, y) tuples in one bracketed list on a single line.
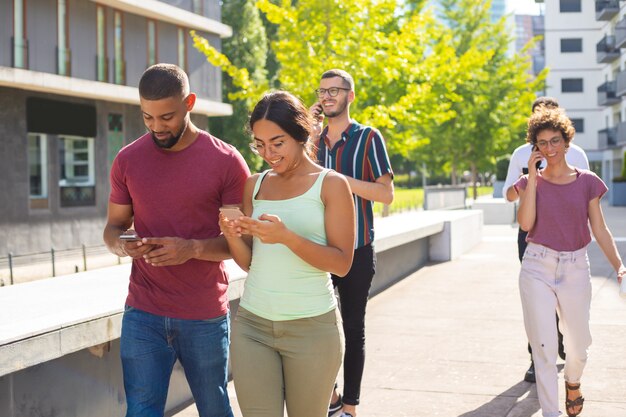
[(570, 404)]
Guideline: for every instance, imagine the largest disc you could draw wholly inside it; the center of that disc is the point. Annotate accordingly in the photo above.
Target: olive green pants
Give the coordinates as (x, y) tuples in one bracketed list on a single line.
[(292, 363)]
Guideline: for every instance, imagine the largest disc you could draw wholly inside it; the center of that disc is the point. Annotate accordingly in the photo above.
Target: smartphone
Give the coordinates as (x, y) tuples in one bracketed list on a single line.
[(231, 212), (129, 237), (538, 163)]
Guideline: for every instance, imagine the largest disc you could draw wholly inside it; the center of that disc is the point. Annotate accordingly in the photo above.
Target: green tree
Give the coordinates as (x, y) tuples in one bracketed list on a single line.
[(495, 102), (247, 49), (445, 93)]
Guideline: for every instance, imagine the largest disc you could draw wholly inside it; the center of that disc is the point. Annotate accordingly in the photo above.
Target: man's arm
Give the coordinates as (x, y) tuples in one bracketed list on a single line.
[(176, 250), (381, 190)]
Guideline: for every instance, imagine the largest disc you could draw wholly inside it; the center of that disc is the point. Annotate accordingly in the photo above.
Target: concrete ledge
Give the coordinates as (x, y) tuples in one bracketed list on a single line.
[(496, 210)]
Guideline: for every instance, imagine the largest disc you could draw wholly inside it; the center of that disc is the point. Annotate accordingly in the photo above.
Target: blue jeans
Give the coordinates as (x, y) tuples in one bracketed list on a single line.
[(150, 345)]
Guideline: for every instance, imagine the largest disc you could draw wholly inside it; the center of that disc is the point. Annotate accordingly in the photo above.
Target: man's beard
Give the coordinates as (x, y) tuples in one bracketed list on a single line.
[(341, 107), (169, 143)]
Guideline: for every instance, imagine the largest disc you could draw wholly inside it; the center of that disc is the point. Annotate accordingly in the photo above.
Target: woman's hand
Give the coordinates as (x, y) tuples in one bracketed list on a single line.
[(268, 228), (230, 228), (535, 156)]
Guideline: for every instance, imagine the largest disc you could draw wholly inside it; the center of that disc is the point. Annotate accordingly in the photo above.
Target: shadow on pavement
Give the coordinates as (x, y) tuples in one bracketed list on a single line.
[(509, 400)]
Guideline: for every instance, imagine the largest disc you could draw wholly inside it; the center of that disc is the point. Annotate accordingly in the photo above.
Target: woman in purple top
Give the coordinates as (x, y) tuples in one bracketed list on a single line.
[(557, 204)]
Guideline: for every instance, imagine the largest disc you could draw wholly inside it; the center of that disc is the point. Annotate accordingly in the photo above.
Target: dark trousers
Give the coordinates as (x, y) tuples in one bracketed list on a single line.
[(353, 293), (521, 248)]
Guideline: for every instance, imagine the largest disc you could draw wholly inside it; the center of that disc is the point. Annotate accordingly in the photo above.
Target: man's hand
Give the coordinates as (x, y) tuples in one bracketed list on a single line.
[(168, 251), (136, 249)]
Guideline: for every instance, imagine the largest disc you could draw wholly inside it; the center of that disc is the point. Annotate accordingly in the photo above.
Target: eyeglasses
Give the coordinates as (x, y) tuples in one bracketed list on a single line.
[(332, 91), (259, 148), (554, 142)]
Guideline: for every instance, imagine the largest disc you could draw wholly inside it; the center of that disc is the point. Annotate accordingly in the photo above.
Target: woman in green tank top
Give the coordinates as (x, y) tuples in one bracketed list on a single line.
[(297, 228)]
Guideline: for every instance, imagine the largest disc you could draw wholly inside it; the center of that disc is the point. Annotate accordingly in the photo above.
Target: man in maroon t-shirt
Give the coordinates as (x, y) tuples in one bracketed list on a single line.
[(168, 185)]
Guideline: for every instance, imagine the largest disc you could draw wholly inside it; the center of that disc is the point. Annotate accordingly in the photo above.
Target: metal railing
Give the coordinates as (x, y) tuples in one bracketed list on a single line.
[(20, 268), (19, 52)]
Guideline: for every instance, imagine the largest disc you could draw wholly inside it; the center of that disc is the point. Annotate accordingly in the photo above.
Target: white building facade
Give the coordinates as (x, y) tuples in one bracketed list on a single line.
[(588, 75)]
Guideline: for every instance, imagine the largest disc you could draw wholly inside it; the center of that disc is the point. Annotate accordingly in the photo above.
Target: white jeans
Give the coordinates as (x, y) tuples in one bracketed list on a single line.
[(552, 280)]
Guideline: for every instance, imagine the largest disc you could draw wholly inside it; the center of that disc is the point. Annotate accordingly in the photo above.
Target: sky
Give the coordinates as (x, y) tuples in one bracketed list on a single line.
[(523, 6)]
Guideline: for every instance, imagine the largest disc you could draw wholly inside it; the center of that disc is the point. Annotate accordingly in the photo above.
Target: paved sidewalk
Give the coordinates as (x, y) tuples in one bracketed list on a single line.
[(449, 339)]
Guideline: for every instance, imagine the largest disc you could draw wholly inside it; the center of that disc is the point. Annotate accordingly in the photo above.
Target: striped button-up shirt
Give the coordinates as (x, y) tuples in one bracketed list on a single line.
[(360, 154)]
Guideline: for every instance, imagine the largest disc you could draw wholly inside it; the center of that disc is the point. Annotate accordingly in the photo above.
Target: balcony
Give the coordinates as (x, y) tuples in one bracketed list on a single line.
[(606, 9), (606, 51), (607, 137), (620, 89), (102, 69), (119, 75), (620, 33), (621, 134), (19, 52), (607, 94), (64, 61)]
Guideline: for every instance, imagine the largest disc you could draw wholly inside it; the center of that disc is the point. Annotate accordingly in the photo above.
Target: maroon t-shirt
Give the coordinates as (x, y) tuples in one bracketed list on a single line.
[(178, 194), (562, 220)]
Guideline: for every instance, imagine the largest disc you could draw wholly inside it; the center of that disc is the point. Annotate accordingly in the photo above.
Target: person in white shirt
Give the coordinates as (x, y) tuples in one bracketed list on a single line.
[(518, 166)]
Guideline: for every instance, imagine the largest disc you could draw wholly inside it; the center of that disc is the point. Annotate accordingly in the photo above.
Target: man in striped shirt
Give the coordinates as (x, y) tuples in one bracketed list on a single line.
[(358, 152)]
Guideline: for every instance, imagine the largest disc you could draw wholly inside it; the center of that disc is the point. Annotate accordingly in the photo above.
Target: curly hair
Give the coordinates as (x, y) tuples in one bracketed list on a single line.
[(546, 118)]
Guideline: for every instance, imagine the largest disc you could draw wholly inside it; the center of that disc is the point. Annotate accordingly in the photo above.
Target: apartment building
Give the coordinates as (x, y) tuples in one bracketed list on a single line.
[(587, 75), (69, 71)]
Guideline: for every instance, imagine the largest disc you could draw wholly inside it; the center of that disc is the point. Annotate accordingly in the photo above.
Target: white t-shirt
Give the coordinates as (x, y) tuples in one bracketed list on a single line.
[(575, 156)]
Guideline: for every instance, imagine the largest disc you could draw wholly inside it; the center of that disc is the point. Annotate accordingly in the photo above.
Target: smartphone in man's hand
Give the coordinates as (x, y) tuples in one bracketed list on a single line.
[(129, 236)]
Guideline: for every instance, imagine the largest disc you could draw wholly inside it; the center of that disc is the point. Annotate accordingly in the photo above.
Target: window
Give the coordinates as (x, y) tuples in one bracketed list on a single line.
[(118, 44), (101, 45), (38, 170), (579, 125), (152, 43), (570, 6), (77, 173), (182, 48), (19, 41), (63, 49), (572, 85), (571, 45)]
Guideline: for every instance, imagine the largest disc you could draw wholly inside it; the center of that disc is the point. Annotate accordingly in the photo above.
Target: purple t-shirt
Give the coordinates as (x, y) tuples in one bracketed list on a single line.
[(562, 220), (178, 194)]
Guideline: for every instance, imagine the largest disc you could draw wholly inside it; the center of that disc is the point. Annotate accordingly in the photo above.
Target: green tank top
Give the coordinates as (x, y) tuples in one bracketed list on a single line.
[(280, 285)]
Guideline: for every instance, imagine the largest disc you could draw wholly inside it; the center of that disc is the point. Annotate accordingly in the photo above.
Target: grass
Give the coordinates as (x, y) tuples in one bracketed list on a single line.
[(406, 199)]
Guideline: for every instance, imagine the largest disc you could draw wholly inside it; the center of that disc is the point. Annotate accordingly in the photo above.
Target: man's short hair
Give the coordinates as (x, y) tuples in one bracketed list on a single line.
[(347, 78), (163, 81), (549, 102)]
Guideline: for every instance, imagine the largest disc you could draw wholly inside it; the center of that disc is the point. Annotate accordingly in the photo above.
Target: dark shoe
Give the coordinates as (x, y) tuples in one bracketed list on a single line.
[(575, 403), (530, 374), (334, 407)]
